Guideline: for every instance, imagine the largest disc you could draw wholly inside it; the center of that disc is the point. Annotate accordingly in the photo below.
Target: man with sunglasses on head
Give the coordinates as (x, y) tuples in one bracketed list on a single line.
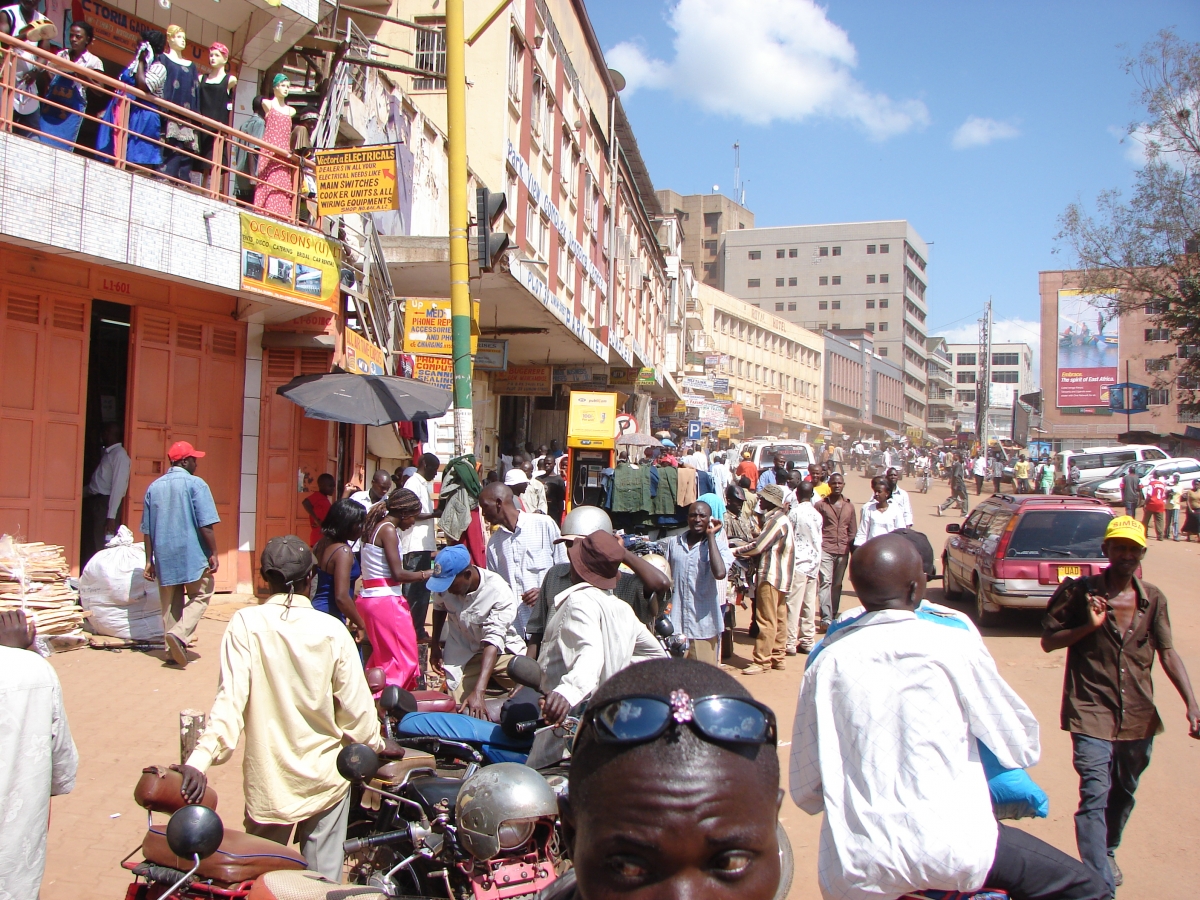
[(674, 789), (897, 707)]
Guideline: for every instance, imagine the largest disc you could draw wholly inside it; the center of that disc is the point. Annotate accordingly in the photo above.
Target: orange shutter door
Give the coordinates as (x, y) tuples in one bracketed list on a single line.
[(187, 386), (43, 374)]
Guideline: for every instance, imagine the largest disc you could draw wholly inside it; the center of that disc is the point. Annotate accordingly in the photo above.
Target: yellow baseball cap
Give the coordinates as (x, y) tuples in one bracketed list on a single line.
[(1128, 528)]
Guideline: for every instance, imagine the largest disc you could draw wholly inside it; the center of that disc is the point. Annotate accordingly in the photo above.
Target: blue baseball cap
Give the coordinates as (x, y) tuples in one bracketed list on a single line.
[(447, 565)]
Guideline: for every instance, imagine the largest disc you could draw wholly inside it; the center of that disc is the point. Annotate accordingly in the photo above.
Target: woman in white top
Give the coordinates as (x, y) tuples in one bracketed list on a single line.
[(880, 515)]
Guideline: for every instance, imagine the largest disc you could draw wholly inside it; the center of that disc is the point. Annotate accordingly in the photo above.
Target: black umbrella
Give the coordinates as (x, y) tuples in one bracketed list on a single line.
[(365, 399)]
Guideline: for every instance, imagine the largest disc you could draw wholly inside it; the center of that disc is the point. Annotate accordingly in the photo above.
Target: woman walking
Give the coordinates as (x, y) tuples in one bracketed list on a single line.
[(337, 566), (880, 514), (1191, 499)]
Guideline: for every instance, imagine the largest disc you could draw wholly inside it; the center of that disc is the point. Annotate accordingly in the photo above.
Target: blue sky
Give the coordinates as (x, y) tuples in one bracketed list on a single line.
[(859, 111)]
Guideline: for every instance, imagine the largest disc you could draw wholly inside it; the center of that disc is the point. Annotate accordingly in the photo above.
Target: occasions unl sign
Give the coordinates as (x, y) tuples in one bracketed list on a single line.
[(289, 263)]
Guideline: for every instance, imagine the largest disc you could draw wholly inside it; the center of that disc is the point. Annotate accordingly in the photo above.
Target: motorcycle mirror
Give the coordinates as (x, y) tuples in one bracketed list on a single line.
[(663, 627), (194, 831), (526, 672), (397, 701), (357, 762)]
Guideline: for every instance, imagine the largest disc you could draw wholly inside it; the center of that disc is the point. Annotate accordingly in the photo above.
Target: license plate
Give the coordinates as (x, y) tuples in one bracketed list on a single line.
[(1065, 572)]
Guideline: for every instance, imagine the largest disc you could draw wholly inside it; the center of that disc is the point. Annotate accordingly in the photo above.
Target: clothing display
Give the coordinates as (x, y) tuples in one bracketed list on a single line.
[(181, 88), (145, 127), (274, 188), (685, 491), (216, 103)]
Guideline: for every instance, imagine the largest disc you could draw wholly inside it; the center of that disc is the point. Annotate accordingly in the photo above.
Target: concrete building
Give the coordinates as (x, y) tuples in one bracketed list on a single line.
[(705, 218), (864, 392), (1012, 369), (1075, 378), (773, 366), (939, 369), (857, 275)]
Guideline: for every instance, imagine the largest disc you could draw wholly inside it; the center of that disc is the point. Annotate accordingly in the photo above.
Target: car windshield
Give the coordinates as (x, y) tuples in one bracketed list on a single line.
[(793, 454), (1119, 471), (1059, 534)]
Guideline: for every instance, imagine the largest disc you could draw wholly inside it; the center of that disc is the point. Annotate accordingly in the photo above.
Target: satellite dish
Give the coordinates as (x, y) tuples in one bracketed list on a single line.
[(618, 80), (716, 187)]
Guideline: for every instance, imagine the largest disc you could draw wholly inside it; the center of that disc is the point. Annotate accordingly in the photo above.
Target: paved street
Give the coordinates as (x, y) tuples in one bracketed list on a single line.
[(124, 710)]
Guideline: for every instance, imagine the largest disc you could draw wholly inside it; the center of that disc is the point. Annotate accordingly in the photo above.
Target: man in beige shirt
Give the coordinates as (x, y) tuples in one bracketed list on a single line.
[(296, 718)]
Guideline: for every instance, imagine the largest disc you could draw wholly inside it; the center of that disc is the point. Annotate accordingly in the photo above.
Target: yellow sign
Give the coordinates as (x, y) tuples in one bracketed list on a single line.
[(363, 357), (435, 370), (591, 420), (289, 263), (362, 179), (525, 381), (427, 326)]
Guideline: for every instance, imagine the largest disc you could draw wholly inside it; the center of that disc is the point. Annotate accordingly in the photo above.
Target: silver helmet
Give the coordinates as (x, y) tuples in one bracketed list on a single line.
[(583, 520), (499, 806)]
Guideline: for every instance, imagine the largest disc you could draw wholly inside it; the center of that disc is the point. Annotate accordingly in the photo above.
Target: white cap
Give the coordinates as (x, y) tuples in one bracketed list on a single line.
[(515, 476)]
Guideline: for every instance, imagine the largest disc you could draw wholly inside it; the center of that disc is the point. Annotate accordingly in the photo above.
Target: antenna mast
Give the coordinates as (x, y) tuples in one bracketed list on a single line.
[(738, 190)]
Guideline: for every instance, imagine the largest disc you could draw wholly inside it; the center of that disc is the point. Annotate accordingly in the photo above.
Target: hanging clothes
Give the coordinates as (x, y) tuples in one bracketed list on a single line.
[(668, 490), (686, 493), (628, 492), (704, 483)]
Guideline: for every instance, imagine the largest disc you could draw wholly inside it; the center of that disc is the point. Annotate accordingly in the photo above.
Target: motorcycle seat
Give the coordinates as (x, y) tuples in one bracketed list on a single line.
[(394, 770), (241, 857), (285, 885), (434, 701), (158, 790)]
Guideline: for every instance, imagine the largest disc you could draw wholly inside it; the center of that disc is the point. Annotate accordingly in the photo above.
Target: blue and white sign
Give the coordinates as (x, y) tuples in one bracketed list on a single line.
[(693, 430)]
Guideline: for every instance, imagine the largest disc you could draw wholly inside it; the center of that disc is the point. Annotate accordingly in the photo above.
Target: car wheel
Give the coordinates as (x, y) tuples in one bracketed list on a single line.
[(950, 587), (982, 616)]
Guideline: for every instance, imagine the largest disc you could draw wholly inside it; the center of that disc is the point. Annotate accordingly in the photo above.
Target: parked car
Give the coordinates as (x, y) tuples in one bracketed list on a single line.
[(796, 452), (1109, 489), (1014, 551), (1099, 462), (875, 464)]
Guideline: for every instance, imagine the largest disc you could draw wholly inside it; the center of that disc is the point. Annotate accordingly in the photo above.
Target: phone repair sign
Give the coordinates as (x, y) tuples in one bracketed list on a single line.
[(358, 179)]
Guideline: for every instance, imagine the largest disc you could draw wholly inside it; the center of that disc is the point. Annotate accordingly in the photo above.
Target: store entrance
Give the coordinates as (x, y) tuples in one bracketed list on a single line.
[(107, 382)]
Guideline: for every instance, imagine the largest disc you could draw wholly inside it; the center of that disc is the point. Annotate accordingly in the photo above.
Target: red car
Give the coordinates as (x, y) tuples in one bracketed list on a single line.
[(1013, 551)]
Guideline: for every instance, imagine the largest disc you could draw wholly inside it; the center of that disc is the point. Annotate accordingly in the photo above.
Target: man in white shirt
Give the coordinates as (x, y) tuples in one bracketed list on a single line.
[(979, 468), (591, 634), (721, 475), (37, 756), (522, 549), (422, 541), (534, 498), (900, 496), (105, 492), (381, 486), (896, 706), (807, 526), (473, 612)]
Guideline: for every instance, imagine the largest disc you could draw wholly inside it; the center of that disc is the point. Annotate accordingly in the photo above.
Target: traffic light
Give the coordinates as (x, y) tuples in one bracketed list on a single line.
[(489, 208)]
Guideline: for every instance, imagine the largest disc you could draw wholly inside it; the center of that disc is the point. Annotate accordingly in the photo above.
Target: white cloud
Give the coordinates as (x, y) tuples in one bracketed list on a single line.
[(1004, 331), (979, 132), (1139, 143), (762, 61)]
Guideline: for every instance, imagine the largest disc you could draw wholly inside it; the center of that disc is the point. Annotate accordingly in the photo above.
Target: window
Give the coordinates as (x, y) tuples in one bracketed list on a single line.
[(791, 307), (1158, 334), (883, 248), (755, 254), (514, 67), (823, 251), (870, 248), (823, 280), (965, 378), (822, 304), (430, 56), (792, 281), (710, 247), (1159, 396), (1161, 364), (778, 282), (883, 304), (779, 253), (1157, 307), (870, 304), (712, 222), (837, 251), (837, 304), (778, 307), (870, 326), (1006, 359), (883, 279), (964, 396), (1005, 377), (966, 359), (793, 253), (1187, 412), (837, 279), (882, 351), (883, 326), (870, 279), (837, 325), (752, 282)]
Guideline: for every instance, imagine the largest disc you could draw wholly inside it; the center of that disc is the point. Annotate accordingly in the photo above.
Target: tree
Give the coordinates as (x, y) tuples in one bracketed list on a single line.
[(1144, 254)]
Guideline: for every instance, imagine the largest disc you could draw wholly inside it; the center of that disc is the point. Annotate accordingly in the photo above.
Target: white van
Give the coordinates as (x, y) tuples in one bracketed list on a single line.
[(762, 453), (1100, 462)]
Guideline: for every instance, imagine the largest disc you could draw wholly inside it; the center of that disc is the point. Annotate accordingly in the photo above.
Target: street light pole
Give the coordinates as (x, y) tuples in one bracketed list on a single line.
[(460, 285)]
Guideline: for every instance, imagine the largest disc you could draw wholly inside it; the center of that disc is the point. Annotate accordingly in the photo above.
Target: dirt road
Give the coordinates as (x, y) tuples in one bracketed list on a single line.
[(124, 713)]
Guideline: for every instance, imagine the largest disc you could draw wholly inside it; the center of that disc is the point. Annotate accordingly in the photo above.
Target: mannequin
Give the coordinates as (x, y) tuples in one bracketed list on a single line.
[(145, 124), (273, 192), (216, 96), (181, 87)]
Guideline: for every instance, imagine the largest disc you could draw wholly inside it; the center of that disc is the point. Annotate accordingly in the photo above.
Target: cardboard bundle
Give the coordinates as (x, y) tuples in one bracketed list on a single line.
[(33, 577)]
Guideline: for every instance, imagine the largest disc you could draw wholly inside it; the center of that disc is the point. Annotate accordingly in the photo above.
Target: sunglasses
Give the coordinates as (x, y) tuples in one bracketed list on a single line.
[(718, 719)]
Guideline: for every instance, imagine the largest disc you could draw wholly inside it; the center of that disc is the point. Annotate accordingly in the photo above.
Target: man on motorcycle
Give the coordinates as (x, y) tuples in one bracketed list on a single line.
[(591, 634), (896, 707), (292, 681)]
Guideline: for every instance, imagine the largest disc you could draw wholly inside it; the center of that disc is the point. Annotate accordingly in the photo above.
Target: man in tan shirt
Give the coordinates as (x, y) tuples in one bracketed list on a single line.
[(296, 718)]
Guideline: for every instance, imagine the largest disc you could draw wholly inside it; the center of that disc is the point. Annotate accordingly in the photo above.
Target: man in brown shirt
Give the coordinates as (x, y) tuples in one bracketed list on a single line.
[(1113, 624), (839, 523)]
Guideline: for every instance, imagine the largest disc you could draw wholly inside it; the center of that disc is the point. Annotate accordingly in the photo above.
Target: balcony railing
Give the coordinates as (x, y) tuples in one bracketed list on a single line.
[(131, 132)]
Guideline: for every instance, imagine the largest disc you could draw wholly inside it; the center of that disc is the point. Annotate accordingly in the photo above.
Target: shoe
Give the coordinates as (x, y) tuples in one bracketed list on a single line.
[(939, 512), (822, 627), (177, 650), (778, 665), (1117, 877), (754, 669), (803, 650), (790, 651)]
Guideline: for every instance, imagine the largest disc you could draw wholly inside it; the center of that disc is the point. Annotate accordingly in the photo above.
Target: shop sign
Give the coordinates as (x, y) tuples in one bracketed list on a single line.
[(435, 370), (771, 414), (289, 263), (523, 381), (914, 432), (712, 414), (362, 357), (621, 375), (712, 361), (118, 33), (694, 383), (491, 356), (357, 180), (427, 326), (691, 358), (572, 374), (647, 377), (694, 399), (720, 386), (592, 419), (618, 346), (533, 283)]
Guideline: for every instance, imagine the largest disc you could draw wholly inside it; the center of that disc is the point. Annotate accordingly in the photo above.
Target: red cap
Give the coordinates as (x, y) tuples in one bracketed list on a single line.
[(182, 450)]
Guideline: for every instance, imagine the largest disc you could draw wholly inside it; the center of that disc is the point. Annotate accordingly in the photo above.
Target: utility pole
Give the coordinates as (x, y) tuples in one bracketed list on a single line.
[(460, 284)]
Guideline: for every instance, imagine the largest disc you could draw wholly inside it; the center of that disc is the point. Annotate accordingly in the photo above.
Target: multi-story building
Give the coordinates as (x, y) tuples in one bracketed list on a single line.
[(864, 392), (705, 219), (1012, 369), (1085, 348), (939, 369), (773, 366), (857, 275)]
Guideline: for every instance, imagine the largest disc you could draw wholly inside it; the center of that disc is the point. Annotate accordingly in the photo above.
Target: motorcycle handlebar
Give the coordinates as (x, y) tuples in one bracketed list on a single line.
[(354, 846), (530, 726)]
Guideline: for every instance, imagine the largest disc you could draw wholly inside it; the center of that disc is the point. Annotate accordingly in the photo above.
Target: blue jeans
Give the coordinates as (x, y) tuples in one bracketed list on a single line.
[(417, 592), (1131, 509), (1108, 776)]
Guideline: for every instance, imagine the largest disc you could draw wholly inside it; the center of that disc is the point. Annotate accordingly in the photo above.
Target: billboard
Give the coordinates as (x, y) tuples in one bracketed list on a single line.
[(1087, 349)]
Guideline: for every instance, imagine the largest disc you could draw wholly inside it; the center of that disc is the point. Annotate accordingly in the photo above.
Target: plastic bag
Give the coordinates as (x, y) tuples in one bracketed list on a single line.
[(124, 603)]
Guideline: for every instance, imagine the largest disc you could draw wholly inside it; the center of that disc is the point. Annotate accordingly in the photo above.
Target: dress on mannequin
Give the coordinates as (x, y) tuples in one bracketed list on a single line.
[(181, 88), (273, 193)]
